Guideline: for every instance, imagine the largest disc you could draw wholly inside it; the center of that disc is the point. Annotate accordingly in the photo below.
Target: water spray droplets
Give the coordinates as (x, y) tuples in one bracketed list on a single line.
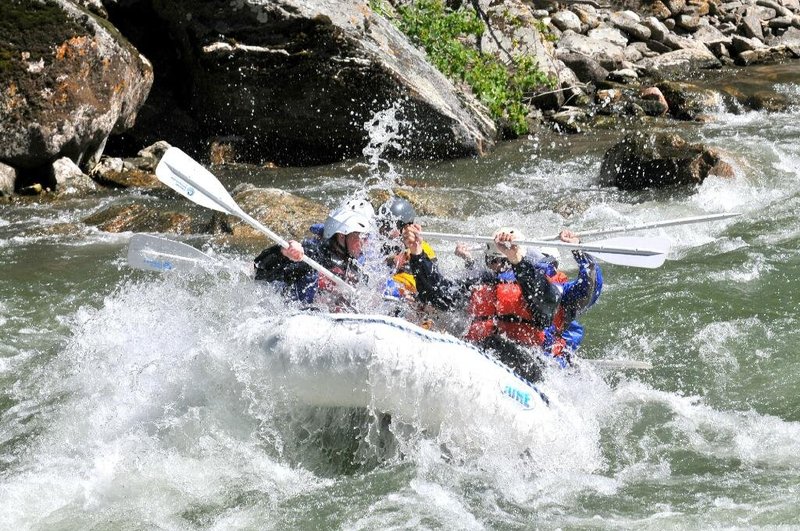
[(386, 131)]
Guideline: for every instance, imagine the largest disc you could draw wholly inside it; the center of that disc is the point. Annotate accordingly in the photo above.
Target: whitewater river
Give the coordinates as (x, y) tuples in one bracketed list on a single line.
[(134, 400)]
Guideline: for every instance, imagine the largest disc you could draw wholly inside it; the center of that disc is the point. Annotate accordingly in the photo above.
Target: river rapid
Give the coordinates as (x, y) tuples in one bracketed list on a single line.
[(137, 400)]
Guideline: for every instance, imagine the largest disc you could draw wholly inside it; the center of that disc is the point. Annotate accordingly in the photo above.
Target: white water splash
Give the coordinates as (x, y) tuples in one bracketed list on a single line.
[(385, 132)]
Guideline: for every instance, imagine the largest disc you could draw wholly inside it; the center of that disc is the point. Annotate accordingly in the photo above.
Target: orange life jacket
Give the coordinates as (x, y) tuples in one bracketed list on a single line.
[(501, 309)]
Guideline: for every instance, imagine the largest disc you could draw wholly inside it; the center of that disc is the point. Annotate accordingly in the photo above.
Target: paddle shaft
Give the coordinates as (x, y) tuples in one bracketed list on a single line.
[(610, 364), (653, 225), (631, 251), (234, 209)]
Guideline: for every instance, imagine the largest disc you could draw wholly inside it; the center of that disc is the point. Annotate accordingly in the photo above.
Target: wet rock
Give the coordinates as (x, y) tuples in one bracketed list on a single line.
[(70, 179), (689, 102), (116, 173), (744, 44), (608, 96), (570, 120), (766, 55), (151, 155), (286, 214), (768, 101), (8, 177), (68, 85), (679, 61), (657, 101), (140, 218), (226, 150), (642, 161), (299, 80)]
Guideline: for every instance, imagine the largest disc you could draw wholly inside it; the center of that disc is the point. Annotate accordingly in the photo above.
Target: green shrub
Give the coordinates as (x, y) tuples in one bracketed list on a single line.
[(443, 34)]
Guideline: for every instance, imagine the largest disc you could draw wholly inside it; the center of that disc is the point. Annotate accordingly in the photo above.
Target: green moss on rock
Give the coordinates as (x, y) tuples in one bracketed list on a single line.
[(34, 26)]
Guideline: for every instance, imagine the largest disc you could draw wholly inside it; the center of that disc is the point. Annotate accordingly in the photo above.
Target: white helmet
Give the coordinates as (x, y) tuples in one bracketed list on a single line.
[(491, 248), (344, 221), (362, 206)]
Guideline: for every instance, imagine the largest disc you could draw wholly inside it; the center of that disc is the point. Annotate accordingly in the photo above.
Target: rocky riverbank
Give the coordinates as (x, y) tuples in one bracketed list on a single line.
[(296, 82)]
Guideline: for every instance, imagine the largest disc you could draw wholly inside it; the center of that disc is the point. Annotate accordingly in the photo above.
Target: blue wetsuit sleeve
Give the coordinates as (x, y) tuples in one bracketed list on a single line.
[(583, 291)]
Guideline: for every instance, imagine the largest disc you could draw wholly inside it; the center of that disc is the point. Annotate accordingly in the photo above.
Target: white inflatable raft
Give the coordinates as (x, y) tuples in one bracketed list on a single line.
[(392, 366)]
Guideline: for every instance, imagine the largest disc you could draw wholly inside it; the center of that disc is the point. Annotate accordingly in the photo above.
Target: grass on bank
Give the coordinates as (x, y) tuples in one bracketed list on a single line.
[(443, 33)]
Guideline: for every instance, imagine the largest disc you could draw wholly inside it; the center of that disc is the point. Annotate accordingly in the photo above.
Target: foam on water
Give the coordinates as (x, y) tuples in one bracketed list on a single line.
[(707, 432), (146, 416), (158, 409)]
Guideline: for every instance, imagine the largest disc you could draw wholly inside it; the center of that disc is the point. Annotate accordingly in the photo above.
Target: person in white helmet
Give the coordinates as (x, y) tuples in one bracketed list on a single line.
[(510, 301), (356, 204), (340, 249)]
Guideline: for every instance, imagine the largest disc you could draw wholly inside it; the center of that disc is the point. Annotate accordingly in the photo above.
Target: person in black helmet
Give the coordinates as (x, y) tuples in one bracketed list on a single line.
[(392, 217)]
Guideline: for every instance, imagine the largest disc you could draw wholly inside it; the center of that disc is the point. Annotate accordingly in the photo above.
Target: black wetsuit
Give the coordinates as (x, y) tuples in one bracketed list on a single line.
[(300, 280)]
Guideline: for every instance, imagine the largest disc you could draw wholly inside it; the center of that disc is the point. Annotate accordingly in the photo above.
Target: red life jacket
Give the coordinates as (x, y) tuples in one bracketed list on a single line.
[(501, 309)]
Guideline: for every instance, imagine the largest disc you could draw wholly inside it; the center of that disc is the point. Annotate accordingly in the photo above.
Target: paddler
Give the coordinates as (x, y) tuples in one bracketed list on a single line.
[(394, 215), (340, 249), (564, 336), (510, 301)]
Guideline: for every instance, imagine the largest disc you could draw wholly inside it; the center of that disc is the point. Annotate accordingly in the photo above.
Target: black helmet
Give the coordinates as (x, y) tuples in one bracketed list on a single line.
[(396, 212)]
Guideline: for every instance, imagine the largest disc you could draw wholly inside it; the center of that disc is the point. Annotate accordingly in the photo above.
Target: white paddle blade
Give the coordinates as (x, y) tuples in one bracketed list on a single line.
[(646, 262), (659, 246), (187, 177), (152, 253)]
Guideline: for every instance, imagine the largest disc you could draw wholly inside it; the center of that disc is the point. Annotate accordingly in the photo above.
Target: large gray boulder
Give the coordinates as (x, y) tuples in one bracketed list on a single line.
[(679, 61), (299, 81), (609, 55), (67, 85)]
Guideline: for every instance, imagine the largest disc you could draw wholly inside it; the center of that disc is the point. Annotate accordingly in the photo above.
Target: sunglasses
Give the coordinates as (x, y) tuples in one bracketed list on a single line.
[(399, 225), (494, 260)]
